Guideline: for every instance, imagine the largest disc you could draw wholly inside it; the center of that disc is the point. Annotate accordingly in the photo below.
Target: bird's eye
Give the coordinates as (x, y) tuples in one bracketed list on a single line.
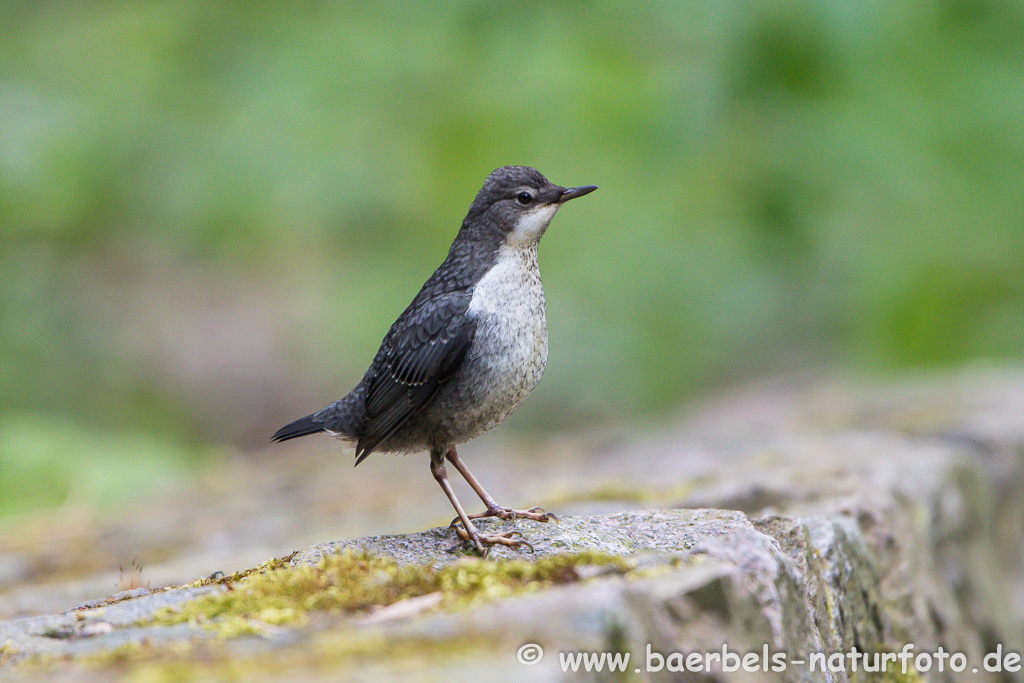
[(524, 198)]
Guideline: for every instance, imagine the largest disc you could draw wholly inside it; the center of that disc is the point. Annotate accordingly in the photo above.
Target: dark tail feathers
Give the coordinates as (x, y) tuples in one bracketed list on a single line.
[(304, 426)]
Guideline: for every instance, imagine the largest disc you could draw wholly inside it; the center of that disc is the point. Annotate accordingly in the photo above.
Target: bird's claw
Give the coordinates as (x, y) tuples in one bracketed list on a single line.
[(544, 516), (484, 542), (537, 514)]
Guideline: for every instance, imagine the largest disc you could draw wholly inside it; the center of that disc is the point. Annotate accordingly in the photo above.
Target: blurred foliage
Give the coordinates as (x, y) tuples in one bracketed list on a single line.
[(211, 212), (47, 463)]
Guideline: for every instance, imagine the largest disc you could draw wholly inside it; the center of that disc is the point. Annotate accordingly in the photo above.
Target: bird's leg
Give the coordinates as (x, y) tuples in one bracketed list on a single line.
[(469, 532), (493, 509)]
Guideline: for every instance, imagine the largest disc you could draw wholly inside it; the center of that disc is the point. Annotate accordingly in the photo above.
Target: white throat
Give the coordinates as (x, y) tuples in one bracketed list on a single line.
[(531, 225)]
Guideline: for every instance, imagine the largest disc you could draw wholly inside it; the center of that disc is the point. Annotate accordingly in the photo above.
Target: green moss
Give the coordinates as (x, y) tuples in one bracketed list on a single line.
[(271, 565), (325, 651), (7, 652), (275, 594), (354, 582), (896, 675)]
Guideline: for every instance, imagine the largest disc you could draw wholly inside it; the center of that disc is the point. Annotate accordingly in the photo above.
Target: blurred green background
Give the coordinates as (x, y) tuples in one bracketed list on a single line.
[(211, 212)]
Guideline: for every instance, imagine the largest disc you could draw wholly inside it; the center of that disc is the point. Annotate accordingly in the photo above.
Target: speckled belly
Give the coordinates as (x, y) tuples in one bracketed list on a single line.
[(509, 366), (509, 351)]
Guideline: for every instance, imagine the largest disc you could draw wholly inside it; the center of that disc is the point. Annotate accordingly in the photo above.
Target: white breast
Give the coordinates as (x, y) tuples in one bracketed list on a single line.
[(510, 349)]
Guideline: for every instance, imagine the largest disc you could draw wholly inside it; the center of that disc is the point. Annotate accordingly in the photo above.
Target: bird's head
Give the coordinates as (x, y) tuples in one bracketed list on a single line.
[(520, 202)]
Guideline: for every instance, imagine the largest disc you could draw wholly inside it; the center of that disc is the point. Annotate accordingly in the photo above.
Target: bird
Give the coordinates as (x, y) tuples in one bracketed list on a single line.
[(465, 353)]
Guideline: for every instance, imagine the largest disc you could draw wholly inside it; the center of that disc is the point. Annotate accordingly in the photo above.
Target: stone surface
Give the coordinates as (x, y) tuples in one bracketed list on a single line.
[(624, 533), (82, 631), (793, 518)]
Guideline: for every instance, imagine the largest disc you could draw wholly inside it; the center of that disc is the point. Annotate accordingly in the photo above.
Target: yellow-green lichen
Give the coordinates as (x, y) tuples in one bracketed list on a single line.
[(354, 582)]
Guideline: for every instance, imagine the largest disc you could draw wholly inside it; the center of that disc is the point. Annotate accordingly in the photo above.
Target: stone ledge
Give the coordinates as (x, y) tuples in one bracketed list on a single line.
[(869, 523)]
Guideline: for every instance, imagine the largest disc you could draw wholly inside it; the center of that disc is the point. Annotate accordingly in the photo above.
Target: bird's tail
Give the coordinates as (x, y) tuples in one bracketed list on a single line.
[(304, 426)]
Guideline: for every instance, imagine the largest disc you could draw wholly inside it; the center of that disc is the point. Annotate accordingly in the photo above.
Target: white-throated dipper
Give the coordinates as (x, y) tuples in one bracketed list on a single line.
[(466, 352)]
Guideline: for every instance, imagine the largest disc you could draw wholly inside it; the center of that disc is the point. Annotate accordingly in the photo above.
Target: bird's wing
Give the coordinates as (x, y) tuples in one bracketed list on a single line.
[(420, 352)]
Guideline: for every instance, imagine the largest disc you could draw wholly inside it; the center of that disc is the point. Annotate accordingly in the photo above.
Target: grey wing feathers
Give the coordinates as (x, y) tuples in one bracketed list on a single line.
[(422, 351)]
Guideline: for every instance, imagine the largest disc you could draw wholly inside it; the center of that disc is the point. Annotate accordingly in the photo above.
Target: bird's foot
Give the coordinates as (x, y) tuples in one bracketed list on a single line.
[(508, 514), (483, 542)]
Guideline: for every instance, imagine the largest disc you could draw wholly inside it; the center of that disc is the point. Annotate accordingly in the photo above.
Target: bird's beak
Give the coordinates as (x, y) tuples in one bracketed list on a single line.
[(574, 192)]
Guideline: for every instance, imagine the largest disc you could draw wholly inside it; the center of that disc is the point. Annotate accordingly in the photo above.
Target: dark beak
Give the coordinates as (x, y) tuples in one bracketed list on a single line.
[(574, 192)]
